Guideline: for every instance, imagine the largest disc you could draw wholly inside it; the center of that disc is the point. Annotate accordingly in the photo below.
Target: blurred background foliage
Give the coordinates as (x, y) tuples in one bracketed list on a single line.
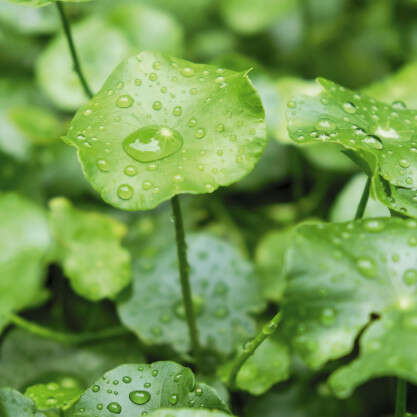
[(368, 45)]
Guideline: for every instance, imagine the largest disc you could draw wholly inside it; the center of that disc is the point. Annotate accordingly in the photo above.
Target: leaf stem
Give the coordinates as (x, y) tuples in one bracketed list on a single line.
[(401, 398), (73, 51), (67, 338), (184, 270), (364, 200), (251, 346)]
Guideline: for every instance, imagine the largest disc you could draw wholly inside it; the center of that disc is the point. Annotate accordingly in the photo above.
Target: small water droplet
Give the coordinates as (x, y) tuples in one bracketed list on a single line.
[(177, 111), (399, 105), (328, 316), (153, 76), (349, 107), (373, 141), (157, 105), (114, 408), (187, 72), (103, 165), (200, 133), (366, 267), (410, 276), (374, 225), (127, 379), (173, 399), (130, 171), (146, 185), (95, 388), (404, 163), (124, 101), (125, 192), (155, 372)]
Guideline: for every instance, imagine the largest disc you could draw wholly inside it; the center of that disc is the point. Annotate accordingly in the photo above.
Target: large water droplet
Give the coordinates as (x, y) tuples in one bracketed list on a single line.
[(114, 408), (139, 397), (152, 143)]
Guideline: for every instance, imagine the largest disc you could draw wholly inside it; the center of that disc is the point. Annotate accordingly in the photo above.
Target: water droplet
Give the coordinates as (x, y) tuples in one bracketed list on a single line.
[(291, 104), (173, 399), (200, 133), (178, 178), (328, 316), (178, 377), (114, 408), (153, 76), (124, 101), (192, 122), (127, 379), (125, 192), (95, 388), (130, 171), (187, 72), (87, 112), (103, 165), (366, 267), (199, 391), (325, 124), (155, 372), (139, 397), (404, 163), (374, 225), (410, 276), (220, 127), (399, 105), (138, 82), (152, 143), (412, 241), (349, 107), (157, 105), (177, 111), (147, 384), (156, 65), (146, 185)]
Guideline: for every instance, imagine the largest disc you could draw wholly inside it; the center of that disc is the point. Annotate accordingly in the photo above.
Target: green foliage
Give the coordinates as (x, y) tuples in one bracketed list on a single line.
[(358, 275), (23, 254), (39, 3), (59, 394), (380, 135), (144, 388), (13, 404), (185, 108), (187, 413), (90, 251), (225, 292)]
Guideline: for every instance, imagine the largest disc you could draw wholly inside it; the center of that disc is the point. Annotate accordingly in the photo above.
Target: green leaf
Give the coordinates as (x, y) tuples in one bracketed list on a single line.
[(100, 47), (381, 135), (40, 3), (14, 404), (59, 394), (162, 126), (269, 258), (347, 201), (90, 250), (148, 28), (169, 412), (27, 359), (225, 292), (267, 366), (400, 86), (339, 276), (249, 17), (143, 388), (23, 247)]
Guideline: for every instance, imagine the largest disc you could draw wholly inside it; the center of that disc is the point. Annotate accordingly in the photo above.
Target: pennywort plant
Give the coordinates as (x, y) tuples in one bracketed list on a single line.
[(179, 322)]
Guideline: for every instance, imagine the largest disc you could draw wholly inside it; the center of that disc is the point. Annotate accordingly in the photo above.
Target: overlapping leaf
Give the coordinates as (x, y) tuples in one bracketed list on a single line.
[(134, 389), (90, 250), (383, 136), (225, 292), (161, 126), (339, 277), (24, 244), (27, 359), (13, 404)]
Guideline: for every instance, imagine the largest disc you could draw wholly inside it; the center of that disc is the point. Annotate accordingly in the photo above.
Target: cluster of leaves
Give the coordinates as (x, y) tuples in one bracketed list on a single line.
[(92, 314)]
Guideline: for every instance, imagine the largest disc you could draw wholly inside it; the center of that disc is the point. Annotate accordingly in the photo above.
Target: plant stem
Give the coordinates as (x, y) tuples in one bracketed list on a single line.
[(74, 55), (184, 270), (251, 346), (67, 338), (364, 199), (401, 398)]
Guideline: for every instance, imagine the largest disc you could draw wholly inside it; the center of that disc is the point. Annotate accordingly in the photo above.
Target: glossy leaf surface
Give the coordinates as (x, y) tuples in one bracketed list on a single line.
[(14, 404)]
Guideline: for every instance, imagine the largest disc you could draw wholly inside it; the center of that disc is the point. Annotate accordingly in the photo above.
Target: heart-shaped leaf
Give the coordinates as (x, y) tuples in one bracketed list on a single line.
[(134, 389), (162, 126), (267, 366), (90, 250), (24, 244), (187, 413), (100, 46), (27, 359), (39, 3), (339, 277), (225, 292), (13, 404), (59, 394), (383, 136)]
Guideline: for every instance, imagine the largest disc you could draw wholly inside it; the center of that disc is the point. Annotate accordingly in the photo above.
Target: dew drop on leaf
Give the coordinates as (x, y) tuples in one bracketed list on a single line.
[(366, 267), (125, 192), (124, 101), (410, 276), (173, 399), (114, 408), (152, 143), (349, 107), (139, 397), (373, 141)]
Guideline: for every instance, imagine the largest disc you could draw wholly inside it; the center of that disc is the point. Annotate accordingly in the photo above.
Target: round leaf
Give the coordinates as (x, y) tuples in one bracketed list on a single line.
[(23, 246), (339, 276), (90, 250), (225, 292), (383, 136), (100, 47), (144, 388), (161, 126), (13, 404)]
